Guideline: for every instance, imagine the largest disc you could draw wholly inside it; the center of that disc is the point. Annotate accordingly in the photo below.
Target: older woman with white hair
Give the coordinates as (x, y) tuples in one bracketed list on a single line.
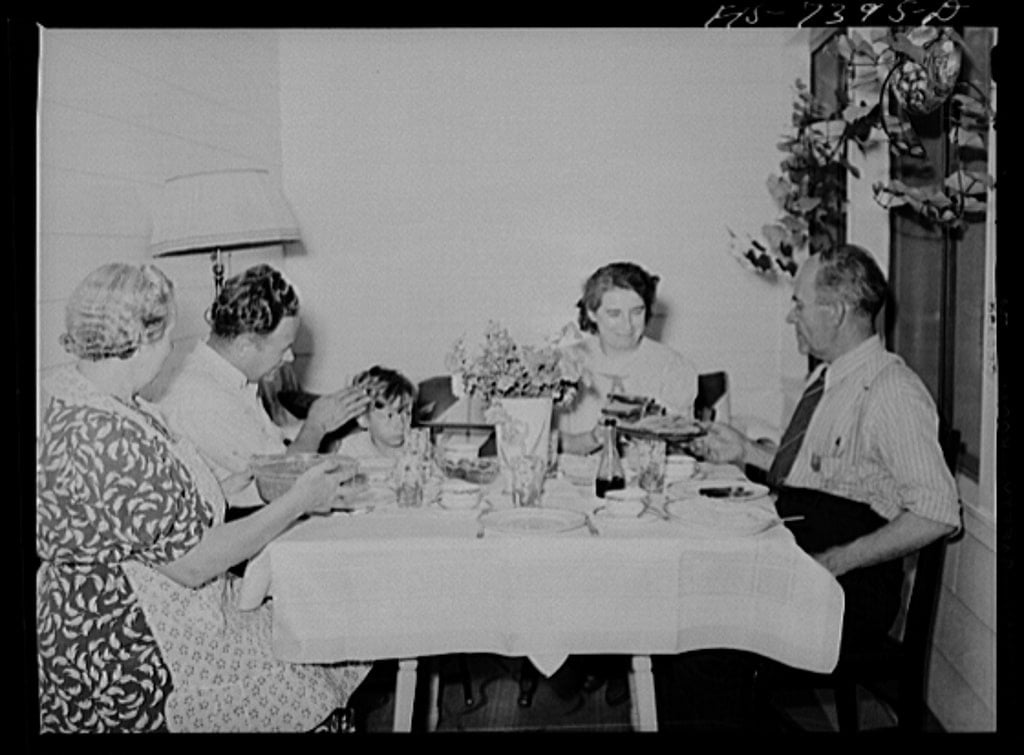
[(137, 629)]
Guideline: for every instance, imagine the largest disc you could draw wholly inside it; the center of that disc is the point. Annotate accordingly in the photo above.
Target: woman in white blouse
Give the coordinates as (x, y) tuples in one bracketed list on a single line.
[(618, 357)]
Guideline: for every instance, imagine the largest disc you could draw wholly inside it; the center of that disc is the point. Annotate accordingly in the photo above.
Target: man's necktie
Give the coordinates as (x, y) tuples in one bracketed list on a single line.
[(794, 434)]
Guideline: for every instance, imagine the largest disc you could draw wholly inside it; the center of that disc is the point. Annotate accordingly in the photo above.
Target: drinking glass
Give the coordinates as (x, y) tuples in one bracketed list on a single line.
[(412, 469), (409, 494), (650, 461), (526, 479)]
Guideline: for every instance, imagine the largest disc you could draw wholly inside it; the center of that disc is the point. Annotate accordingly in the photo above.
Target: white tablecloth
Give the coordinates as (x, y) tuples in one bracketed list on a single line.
[(403, 583)]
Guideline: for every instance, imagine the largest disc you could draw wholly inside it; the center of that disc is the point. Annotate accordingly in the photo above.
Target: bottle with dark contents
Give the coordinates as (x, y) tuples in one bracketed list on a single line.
[(610, 475)]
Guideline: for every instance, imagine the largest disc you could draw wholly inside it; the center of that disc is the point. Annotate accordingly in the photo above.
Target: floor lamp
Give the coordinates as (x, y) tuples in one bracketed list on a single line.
[(219, 211)]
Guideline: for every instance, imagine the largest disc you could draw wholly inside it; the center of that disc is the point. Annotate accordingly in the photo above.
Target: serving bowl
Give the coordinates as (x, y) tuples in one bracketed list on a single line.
[(481, 470), (276, 473)]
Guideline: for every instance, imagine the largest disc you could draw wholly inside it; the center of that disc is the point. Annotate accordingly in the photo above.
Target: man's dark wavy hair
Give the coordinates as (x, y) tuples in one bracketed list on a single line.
[(254, 301)]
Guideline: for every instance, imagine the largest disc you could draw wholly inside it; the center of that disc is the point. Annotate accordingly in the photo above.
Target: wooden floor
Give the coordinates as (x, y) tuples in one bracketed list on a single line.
[(495, 690)]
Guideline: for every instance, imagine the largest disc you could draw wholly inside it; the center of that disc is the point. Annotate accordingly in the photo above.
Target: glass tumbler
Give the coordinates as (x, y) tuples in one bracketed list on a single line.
[(526, 479), (409, 494), (650, 460)]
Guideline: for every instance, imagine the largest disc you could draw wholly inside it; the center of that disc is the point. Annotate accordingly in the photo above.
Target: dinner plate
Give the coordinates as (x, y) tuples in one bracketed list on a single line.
[(363, 503), (718, 490), (533, 521), (604, 513), (701, 516)]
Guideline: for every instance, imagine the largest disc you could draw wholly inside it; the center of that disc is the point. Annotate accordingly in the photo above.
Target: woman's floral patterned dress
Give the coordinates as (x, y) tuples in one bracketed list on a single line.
[(121, 647)]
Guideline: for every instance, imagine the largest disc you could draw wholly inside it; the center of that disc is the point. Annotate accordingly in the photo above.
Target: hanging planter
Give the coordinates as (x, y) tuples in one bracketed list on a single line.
[(897, 76), (925, 79)]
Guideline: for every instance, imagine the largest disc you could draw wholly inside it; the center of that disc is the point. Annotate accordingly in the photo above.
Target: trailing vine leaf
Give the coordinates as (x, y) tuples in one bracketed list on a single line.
[(966, 139), (806, 204), (969, 182), (903, 45), (892, 73), (973, 205)]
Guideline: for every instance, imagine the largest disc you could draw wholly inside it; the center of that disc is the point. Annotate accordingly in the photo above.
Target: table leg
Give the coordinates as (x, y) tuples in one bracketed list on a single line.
[(434, 700), (405, 694), (643, 708)]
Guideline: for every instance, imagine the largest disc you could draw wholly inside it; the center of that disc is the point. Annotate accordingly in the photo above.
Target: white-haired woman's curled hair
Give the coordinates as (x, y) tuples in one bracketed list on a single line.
[(116, 309)]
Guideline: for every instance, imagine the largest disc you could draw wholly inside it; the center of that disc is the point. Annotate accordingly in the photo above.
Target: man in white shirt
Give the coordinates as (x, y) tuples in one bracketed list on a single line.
[(860, 461), (864, 466), (213, 399)]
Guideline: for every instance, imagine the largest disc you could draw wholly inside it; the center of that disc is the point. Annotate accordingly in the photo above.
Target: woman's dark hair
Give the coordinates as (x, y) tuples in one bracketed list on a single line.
[(393, 384), (616, 275), (849, 272), (254, 301)]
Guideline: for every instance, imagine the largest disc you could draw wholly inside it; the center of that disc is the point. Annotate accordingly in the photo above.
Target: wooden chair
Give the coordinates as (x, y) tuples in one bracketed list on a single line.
[(897, 670), (712, 396), (433, 397), (281, 389)]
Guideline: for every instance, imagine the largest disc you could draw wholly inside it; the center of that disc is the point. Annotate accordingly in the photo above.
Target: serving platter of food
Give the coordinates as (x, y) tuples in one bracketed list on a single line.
[(630, 408), (671, 427)]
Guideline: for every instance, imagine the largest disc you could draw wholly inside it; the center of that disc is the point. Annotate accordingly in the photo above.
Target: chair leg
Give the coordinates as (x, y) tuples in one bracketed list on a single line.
[(910, 704), (467, 681), (846, 706), (529, 677)]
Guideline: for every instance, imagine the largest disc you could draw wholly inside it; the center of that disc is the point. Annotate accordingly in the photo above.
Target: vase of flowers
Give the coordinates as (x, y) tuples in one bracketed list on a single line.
[(519, 384)]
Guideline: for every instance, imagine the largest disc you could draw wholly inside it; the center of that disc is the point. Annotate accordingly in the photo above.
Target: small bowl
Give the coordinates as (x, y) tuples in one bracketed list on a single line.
[(579, 470), (460, 495), (624, 503), (680, 467)]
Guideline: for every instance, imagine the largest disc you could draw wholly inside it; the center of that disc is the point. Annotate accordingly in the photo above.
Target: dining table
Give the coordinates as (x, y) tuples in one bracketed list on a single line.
[(384, 582)]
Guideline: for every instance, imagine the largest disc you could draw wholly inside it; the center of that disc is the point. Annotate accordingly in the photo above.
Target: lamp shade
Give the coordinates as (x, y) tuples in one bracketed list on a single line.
[(221, 210)]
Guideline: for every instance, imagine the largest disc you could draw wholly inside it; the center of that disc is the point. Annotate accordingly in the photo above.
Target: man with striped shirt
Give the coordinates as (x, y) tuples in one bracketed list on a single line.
[(864, 465)]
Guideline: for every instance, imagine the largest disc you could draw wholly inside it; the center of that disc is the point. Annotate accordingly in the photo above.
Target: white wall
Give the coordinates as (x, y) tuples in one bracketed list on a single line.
[(120, 112), (442, 177)]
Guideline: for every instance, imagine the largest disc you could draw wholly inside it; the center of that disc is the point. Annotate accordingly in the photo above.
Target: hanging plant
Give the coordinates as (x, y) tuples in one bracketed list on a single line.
[(897, 76), (810, 190)]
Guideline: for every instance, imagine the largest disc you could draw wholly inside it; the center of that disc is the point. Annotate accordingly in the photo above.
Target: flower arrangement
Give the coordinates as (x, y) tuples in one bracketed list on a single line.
[(503, 368)]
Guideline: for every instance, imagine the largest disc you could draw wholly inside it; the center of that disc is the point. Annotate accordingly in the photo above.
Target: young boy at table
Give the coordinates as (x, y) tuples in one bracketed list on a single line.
[(385, 421)]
